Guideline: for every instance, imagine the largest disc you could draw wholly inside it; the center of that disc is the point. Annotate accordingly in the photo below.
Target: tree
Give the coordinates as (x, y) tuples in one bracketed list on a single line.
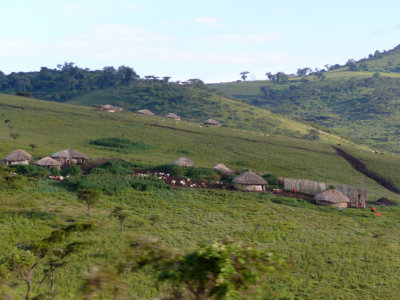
[(33, 147), (166, 78), (28, 256), (222, 270), (40, 174), (90, 197), (121, 214), (243, 75), (14, 136)]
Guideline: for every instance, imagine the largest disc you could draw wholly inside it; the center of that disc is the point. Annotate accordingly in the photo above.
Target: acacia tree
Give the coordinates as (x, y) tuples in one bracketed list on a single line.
[(14, 136), (28, 256), (121, 214), (243, 75), (90, 197), (222, 270)]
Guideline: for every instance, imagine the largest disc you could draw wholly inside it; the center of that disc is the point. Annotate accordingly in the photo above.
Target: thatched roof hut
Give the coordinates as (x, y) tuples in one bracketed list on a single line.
[(17, 157), (212, 122), (145, 112), (70, 157), (173, 116), (332, 198), (223, 169), (249, 181), (48, 162), (183, 162)]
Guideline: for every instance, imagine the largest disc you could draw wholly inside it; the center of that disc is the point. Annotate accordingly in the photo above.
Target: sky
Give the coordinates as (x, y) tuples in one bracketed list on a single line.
[(210, 40)]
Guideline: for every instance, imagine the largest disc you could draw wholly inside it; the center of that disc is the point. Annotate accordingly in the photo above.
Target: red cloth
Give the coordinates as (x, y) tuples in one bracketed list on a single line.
[(372, 208), (294, 190)]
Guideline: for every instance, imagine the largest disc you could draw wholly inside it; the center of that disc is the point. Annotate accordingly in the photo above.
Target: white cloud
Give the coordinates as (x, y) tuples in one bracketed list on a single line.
[(206, 21), (19, 47), (244, 38)]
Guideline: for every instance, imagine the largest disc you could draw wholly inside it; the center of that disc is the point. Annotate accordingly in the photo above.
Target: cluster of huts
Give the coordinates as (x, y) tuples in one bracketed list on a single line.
[(209, 122), (58, 160), (339, 196), (248, 181)]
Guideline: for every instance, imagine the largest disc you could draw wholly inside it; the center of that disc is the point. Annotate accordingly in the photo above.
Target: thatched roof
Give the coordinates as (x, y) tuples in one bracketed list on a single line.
[(183, 162), (18, 155), (145, 112), (212, 122), (332, 196), (173, 116), (47, 162), (69, 153), (249, 178), (223, 169)]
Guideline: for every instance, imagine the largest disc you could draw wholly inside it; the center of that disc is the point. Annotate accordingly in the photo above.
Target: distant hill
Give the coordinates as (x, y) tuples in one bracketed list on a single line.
[(356, 104)]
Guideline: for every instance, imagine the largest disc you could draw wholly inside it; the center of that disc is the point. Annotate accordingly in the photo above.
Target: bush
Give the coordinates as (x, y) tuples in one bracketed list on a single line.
[(55, 171), (29, 170), (114, 184), (118, 144), (116, 167), (73, 170), (273, 181), (173, 170)]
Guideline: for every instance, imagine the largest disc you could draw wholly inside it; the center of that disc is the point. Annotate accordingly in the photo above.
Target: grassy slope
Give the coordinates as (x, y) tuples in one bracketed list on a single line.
[(349, 114), (352, 254), (230, 113)]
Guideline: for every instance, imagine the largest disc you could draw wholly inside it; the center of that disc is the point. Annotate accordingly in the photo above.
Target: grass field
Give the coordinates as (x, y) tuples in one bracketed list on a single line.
[(350, 254)]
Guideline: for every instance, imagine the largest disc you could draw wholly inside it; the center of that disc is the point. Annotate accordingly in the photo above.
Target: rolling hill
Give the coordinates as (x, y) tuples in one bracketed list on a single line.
[(360, 104), (333, 253)]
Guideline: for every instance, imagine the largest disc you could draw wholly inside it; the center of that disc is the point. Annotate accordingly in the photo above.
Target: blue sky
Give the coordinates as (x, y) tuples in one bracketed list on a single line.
[(210, 40)]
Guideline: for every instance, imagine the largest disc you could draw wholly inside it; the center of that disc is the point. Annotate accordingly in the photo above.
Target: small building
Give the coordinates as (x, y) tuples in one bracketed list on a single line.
[(17, 157), (173, 116), (212, 122), (111, 109), (249, 181), (224, 170), (69, 157), (332, 198), (145, 112), (183, 162), (49, 162)]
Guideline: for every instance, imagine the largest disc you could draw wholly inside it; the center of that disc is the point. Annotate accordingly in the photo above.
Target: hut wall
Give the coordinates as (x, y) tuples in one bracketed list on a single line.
[(327, 203), (304, 186), (358, 198), (12, 163), (250, 187)]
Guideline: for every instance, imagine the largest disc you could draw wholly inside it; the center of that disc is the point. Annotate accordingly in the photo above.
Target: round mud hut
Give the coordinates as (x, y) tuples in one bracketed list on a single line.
[(69, 157), (48, 162), (212, 122), (183, 162), (17, 157), (332, 198), (249, 181), (146, 112), (224, 170), (173, 116)]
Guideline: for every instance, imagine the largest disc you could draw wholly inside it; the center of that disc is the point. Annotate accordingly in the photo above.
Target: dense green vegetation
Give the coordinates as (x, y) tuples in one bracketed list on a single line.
[(332, 253), (358, 101)]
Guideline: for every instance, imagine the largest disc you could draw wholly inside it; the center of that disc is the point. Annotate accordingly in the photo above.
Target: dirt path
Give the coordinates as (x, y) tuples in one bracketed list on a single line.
[(360, 167)]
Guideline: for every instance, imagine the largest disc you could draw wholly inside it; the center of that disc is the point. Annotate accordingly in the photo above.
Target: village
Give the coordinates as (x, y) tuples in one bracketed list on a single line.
[(341, 196)]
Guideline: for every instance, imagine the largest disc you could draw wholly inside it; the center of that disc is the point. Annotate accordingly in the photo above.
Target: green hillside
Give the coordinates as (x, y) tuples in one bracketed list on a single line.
[(357, 105), (332, 253)]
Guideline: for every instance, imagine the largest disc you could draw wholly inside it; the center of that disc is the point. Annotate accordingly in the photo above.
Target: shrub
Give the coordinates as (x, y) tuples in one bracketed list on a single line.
[(116, 167), (73, 170), (173, 170), (55, 171), (114, 184), (273, 181), (29, 170), (118, 144)]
